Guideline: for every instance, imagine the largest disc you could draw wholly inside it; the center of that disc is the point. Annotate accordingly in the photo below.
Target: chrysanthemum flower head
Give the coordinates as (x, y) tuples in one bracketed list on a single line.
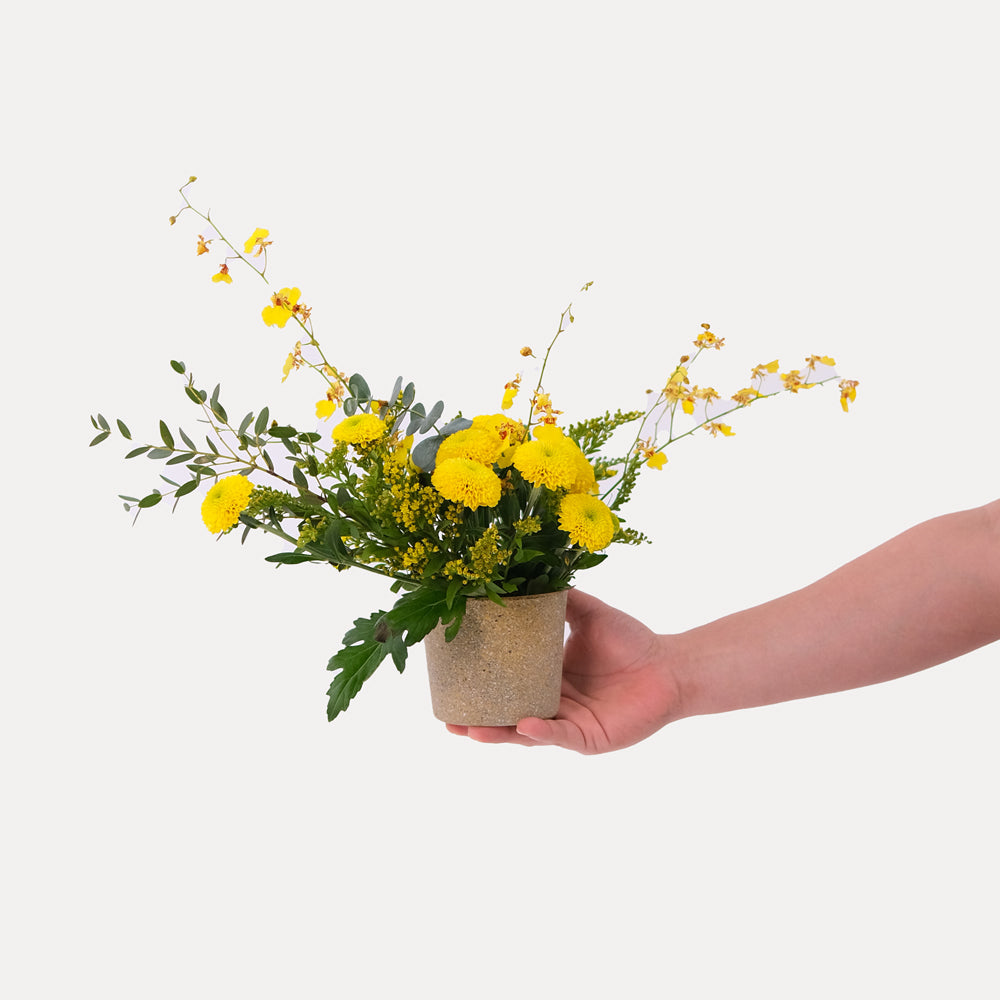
[(362, 428), (549, 461), (480, 444), (224, 502), (469, 483), (588, 521)]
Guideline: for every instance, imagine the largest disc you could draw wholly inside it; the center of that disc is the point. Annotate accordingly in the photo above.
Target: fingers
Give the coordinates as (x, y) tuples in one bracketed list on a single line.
[(528, 733)]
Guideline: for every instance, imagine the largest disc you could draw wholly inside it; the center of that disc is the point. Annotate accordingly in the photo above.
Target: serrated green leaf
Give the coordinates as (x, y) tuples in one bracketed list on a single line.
[(261, 424), (124, 431), (178, 366), (168, 438), (99, 438)]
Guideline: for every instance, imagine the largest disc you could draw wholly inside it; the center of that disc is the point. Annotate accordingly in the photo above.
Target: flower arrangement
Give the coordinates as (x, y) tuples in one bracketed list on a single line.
[(448, 509)]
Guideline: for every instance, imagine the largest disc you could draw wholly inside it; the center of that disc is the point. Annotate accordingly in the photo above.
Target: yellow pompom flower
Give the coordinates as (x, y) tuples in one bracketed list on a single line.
[(362, 428), (224, 503), (479, 444), (588, 521), (548, 461), (469, 483)]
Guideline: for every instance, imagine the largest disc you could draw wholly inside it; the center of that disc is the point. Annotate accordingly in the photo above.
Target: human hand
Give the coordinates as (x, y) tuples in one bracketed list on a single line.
[(617, 688)]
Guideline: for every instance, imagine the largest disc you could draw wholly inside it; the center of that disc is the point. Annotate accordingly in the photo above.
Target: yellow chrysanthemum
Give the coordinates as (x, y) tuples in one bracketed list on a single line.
[(469, 483), (588, 521), (362, 428), (549, 460), (476, 443), (224, 503), (511, 433)]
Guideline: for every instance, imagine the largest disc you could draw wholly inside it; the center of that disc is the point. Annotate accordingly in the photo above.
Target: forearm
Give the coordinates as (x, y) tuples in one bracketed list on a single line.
[(926, 596)]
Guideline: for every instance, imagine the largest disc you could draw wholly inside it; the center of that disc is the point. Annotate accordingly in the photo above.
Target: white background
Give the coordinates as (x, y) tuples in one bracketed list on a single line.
[(440, 179)]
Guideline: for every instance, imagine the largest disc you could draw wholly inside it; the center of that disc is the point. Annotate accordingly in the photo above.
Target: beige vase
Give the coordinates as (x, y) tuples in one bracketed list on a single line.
[(504, 665)]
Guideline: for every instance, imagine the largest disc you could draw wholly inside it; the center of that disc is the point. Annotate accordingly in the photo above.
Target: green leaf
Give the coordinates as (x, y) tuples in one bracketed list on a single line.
[(151, 500), (432, 418), (121, 496), (310, 437), (138, 451), (168, 438), (124, 431), (170, 481), (300, 479), (359, 388), (261, 424), (193, 395), (267, 459), (282, 432), (181, 459), (291, 558), (178, 366), (219, 411), (409, 394), (187, 440), (99, 438), (160, 453), (189, 487), (245, 423), (211, 445), (350, 406), (103, 423)]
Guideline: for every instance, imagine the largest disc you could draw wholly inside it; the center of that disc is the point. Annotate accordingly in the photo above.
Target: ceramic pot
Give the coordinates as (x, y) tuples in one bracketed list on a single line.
[(505, 663)]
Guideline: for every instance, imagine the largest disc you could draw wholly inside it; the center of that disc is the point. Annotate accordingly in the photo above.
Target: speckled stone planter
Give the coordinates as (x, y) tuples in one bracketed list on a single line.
[(505, 663)]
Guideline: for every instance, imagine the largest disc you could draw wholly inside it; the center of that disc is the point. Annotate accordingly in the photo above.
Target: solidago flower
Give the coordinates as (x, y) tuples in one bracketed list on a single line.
[(224, 503), (547, 461), (284, 305), (588, 521), (362, 428), (480, 444), (257, 241), (469, 483), (848, 392), (223, 275)]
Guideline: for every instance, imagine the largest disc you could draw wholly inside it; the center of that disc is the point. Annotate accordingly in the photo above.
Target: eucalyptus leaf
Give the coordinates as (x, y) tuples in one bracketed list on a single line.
[(103, 422), (99, 438), (350, 406), (187, 440), (425, 452), (151, 500), (178, 366), (409, 394), (124, 431), (194, 395), (168, 438), (138, 451), (245, 423), (359, 388), (432, 418), (261, 423), (189, 487), (456, 425), (160, 453)]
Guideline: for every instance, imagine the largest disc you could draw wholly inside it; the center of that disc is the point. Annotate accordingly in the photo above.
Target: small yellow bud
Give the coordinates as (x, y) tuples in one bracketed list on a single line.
[(173, 219), (192, 179)]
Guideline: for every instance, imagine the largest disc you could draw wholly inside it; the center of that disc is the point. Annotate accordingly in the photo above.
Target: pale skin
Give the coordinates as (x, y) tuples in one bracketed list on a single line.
[(924, 597)]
